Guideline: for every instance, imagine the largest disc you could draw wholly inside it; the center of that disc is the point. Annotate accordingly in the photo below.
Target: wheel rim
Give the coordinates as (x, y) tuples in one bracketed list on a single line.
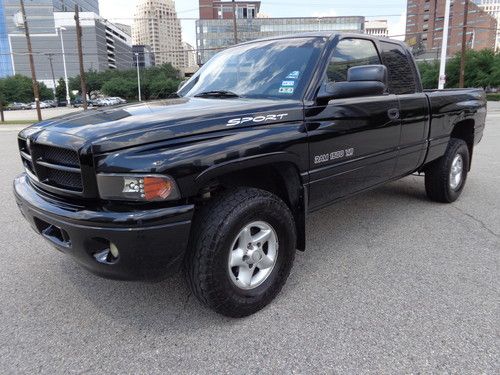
[(253, 255), (456, 173)]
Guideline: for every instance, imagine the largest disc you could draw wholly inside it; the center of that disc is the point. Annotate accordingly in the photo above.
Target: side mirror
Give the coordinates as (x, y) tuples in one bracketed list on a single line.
[(366, 80)]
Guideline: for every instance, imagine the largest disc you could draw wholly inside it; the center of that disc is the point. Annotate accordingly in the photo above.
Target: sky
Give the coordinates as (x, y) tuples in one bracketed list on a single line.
[(393, 10)]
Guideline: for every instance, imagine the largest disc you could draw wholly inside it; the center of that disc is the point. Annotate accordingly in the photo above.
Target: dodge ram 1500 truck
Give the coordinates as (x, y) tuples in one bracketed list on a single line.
[(220, 179)]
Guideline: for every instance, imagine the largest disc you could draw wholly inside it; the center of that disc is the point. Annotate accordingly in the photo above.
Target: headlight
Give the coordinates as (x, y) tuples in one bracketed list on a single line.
[(148, 188)]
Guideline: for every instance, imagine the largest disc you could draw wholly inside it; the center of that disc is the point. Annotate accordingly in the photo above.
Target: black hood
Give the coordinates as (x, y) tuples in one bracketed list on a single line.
[(126, 126)]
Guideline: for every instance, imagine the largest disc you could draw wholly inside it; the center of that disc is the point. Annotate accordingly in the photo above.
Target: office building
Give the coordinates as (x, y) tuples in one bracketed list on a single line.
[(377, 28), (156, 25), (215, 30), (425, 22), (69, 5), (145, 55), (127, 29), (492, 7), (6, 68), (105, 45), (190, 55)]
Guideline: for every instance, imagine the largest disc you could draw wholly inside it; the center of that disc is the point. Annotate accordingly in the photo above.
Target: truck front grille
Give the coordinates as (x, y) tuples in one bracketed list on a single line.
[(53, 166)]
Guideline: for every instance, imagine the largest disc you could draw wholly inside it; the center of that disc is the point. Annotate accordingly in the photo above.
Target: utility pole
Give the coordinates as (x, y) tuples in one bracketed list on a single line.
[(464, 46), (80, 57), (138, 76), (49, 55), (444, 48), (235, 25), (36, 88)]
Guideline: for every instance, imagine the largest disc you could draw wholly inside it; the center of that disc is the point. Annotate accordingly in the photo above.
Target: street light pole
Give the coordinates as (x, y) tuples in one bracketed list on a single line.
[(444, 48), (68, 97), (138, 75)]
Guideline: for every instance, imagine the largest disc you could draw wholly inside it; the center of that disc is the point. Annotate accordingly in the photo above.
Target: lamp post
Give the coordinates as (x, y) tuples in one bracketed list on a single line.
[(444, 47), (68, 98), (138, 75)]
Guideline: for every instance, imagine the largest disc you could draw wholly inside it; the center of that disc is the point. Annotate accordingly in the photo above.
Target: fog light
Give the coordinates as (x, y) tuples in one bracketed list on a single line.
[(114, 250)]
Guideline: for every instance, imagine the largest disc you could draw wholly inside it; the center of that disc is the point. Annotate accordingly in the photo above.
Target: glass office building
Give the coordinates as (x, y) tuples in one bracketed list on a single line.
[(69, 5), (216, 34), (5, 58)]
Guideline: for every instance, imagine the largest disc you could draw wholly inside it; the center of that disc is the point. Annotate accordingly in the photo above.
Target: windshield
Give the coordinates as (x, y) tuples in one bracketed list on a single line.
[(276, 69)]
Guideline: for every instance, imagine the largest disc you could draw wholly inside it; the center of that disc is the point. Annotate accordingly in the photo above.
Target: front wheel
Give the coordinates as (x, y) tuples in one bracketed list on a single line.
[(445, 178), (242, 251)]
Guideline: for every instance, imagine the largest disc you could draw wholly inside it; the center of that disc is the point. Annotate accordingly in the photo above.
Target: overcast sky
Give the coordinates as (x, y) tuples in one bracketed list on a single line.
[(392, 10)]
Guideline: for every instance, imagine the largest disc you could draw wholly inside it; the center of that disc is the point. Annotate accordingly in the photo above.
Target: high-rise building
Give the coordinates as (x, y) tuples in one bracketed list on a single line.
[(83, 5), (377, 28), (156, 25), (425, 22), (105, 45), (6, 68), (190, 55), (145, 56), (491, 7), (215, 28)]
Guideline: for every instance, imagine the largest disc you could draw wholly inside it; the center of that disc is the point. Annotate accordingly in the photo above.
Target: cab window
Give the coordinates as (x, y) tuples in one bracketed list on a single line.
[(349, 53)]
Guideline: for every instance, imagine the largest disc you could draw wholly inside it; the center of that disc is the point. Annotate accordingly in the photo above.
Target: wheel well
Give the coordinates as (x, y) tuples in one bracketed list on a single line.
[(281, 179), (464, 130)]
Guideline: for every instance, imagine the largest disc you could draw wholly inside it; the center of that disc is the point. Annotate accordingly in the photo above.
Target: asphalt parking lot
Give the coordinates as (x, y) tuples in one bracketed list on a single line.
[(390, 283)]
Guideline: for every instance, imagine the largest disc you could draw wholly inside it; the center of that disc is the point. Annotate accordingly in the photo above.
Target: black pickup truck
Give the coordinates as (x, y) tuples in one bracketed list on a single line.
[(220, 180)]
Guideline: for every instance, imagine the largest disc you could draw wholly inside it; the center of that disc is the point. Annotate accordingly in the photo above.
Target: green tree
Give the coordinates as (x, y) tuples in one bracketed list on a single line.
[(120, 87), (156, 82), (482, 69), (61, 89), (429, 73)]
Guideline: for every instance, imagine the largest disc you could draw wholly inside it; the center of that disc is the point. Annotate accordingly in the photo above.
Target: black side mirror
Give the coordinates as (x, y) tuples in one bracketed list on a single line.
[(366, 80)]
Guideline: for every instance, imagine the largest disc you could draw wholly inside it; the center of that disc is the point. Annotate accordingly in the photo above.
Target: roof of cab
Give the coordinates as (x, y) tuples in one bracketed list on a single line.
[(328, 35)]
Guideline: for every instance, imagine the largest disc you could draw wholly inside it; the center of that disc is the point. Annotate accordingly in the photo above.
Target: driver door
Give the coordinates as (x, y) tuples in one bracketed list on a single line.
[(353, 142)]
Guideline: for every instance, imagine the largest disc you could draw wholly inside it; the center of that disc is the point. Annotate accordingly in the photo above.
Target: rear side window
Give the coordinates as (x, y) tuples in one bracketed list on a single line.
[(401, 72), (349, 53)]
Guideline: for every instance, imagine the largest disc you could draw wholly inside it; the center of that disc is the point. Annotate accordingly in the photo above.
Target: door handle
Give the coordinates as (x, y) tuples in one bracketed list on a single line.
[(393, 113)]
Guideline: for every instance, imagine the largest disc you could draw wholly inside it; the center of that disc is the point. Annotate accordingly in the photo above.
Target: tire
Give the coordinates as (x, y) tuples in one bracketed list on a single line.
[(217, 230), (441, 183)]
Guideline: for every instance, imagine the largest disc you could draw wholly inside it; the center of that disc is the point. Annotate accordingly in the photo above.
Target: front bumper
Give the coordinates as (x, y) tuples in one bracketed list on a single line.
[(151, 243)]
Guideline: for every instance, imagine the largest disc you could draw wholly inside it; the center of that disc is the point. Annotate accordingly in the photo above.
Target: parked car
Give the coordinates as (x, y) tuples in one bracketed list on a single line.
[(50, 103), (221, 180), (43, 105), (16, 106)]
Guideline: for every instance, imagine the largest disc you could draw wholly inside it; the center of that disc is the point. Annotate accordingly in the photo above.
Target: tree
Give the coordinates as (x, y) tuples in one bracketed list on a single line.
[(120, 87), (429, 73), (482, 69), (61, 90)]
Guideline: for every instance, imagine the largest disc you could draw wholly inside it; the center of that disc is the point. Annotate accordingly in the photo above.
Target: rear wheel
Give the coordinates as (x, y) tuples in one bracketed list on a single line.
[(242, 251), (445, 178)]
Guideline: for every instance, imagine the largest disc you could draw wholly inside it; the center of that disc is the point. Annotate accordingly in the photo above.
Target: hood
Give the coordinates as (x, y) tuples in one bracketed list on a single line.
[(126, 126)]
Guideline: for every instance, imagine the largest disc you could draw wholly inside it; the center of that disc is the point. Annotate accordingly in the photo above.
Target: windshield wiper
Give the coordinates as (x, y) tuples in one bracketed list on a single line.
[(217, 94)]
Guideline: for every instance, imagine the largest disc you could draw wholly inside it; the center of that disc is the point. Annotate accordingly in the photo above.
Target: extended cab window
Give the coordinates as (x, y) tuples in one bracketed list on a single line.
[(401, 72), (349, 53)]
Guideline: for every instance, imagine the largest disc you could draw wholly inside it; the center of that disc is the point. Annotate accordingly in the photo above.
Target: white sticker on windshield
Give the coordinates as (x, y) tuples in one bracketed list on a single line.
[(293, 75), (286, 90), (288, 83)]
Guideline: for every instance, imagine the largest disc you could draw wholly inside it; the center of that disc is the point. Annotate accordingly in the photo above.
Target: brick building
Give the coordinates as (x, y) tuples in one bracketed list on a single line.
[(425, 20)]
